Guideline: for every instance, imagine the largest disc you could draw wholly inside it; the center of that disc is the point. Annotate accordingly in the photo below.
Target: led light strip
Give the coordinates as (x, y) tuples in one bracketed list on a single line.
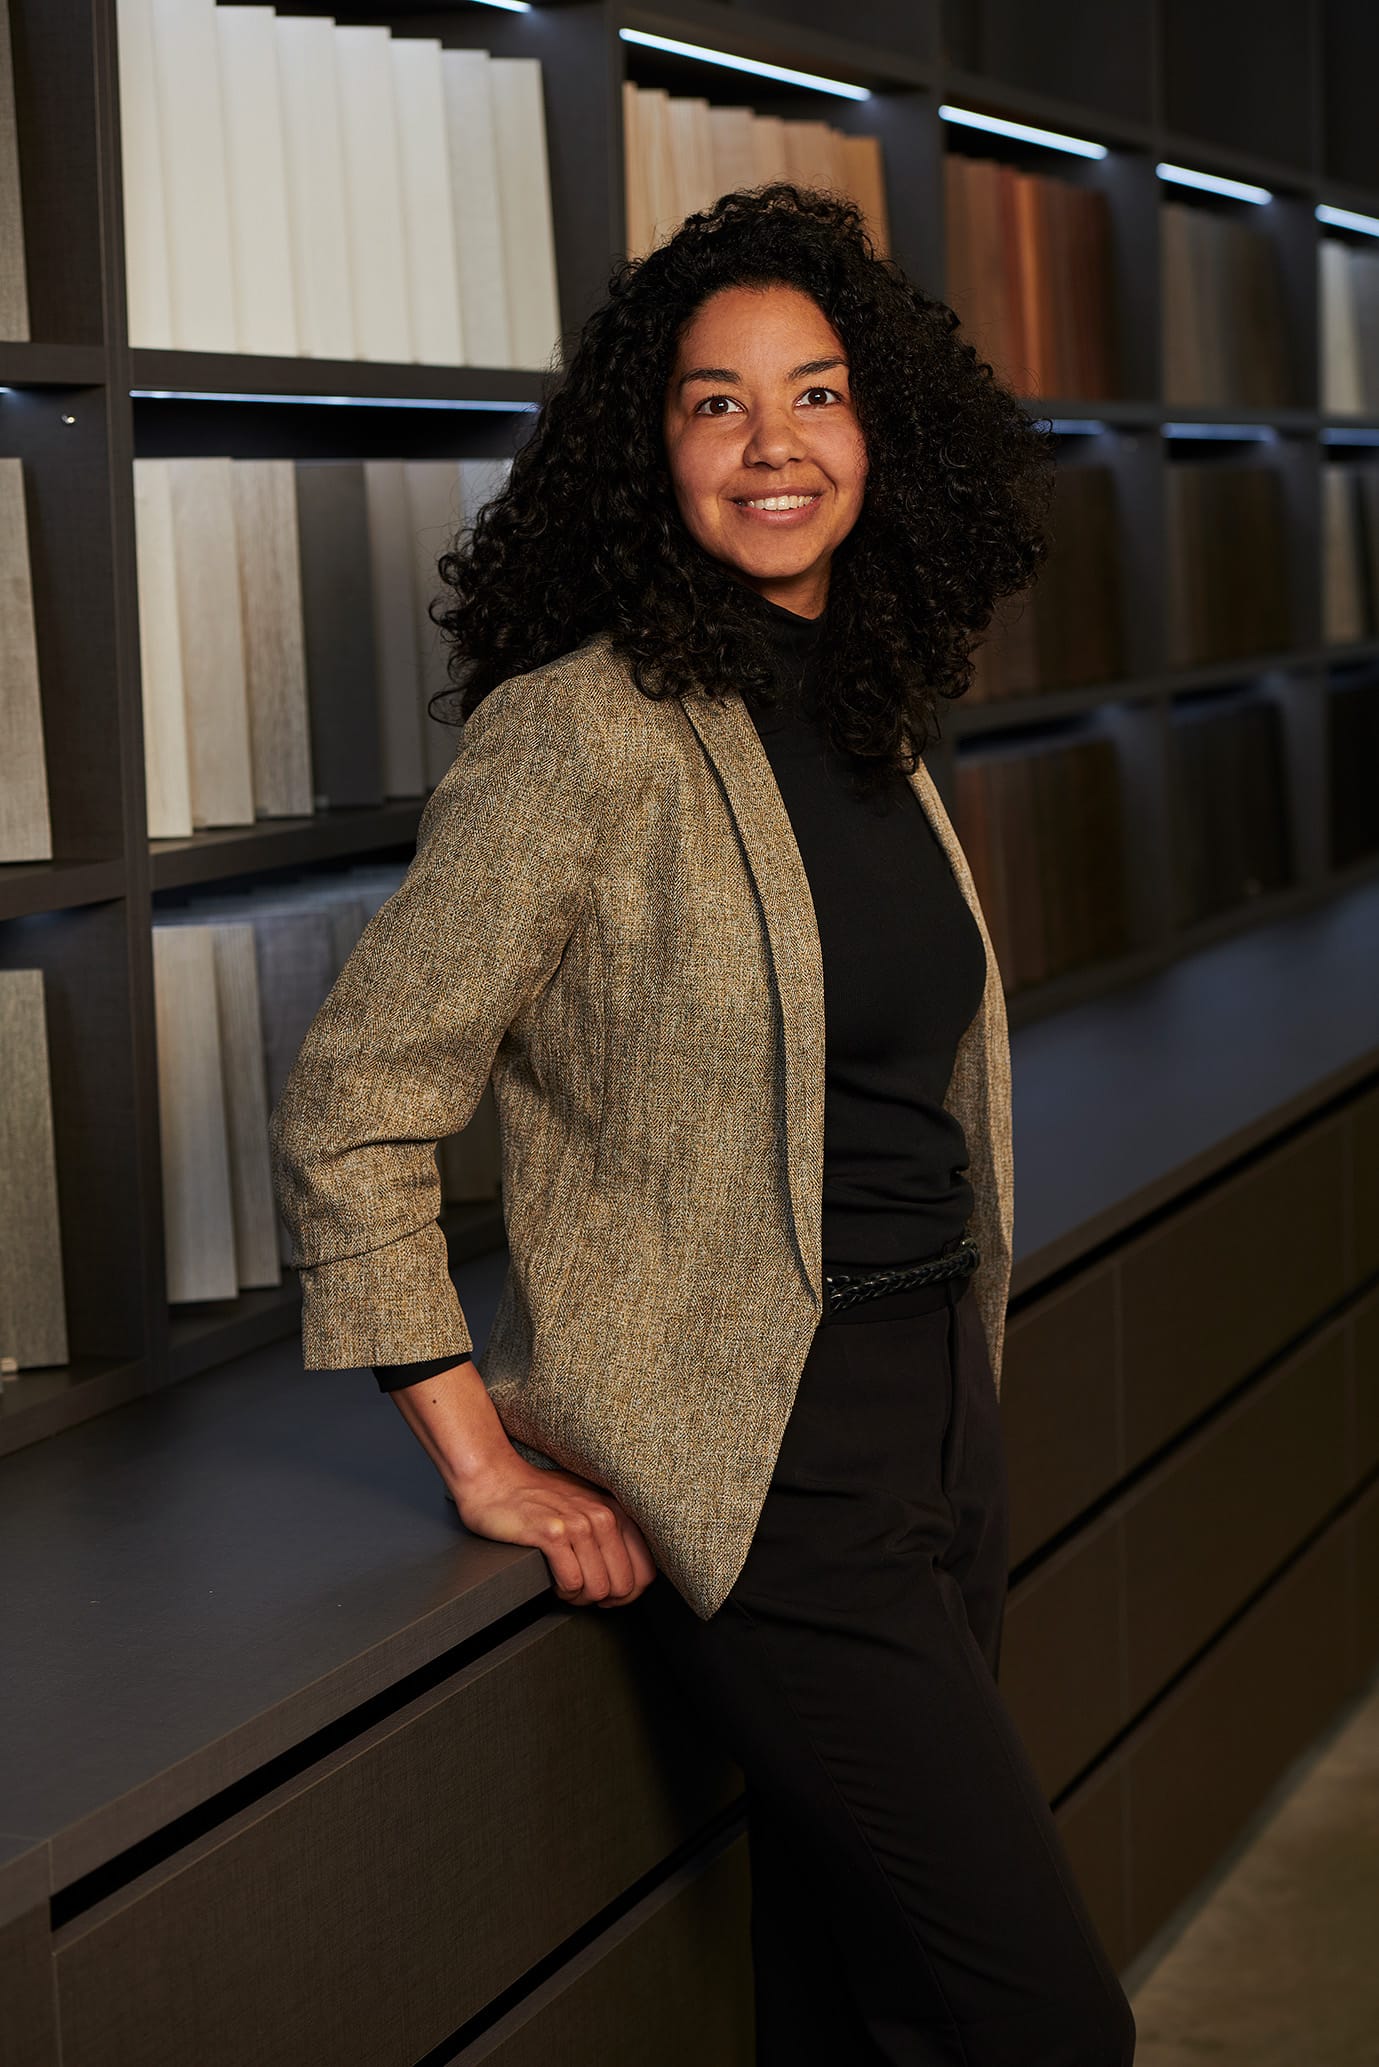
[(756, 66), (1347, 219), (998, 126), (1260, 432), (1212, 183), (326, 401)]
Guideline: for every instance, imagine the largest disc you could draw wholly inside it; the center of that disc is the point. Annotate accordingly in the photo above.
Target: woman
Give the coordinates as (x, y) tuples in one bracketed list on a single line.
[(750, 1336)]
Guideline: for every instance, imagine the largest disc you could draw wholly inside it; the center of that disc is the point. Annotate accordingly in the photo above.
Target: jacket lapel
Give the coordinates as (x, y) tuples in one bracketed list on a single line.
[(730, 740)]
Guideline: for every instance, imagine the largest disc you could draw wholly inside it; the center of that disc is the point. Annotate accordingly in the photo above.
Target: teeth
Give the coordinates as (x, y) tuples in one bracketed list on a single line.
[(778, 502)]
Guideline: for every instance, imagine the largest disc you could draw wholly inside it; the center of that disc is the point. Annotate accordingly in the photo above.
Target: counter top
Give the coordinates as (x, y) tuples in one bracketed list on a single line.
[(198, 1580), (1125, 1103)]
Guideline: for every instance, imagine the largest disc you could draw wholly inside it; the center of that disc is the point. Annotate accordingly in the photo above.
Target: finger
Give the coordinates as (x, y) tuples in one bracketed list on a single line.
[(561, 1556), (633, 1541), (609, 1526), (583, 1539), (644, 1570)]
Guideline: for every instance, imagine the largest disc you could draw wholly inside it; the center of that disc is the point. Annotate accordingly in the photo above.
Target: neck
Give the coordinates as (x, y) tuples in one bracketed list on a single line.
[(805, 594)]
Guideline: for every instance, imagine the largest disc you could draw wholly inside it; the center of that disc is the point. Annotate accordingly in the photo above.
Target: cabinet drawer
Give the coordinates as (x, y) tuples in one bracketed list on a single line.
[(1061, 1655), (28, 2034), (368, 1907), (1058, 1407), (1204, 1760), (1364, 1163), (1091, 1823), (1366, 1326), (1367, 1581), (1228, 1508), (1227, 1283), (671, 1982)]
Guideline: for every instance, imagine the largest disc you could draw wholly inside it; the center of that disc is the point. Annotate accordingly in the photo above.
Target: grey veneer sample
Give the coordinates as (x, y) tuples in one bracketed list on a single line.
[(25, 826), (436, 517), (243, 1084), (213, 672), (270, 593), (167, 767), (397, 627), (337, 612), (198, 1206), (33, 1320), (14, 293)]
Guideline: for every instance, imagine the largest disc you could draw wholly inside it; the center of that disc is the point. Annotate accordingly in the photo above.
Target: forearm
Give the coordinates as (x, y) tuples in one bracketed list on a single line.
[(456, 1423)]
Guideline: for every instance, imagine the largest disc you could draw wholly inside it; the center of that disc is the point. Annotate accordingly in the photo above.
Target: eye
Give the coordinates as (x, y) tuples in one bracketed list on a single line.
[(702, 408), (836, 393)]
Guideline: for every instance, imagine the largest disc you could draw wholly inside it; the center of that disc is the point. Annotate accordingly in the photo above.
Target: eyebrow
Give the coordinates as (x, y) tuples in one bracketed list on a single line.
[(726, 374)]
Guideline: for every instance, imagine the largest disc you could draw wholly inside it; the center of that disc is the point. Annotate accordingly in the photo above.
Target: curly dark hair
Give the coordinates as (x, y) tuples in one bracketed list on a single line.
[(586, 536)]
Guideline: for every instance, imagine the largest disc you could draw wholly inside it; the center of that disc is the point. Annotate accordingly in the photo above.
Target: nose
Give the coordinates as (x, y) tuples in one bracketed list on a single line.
[(774, 438)]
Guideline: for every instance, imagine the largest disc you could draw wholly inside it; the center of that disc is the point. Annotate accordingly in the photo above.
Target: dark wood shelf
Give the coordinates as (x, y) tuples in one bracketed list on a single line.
[(232, 376), (208, 403), (37, 365), (976, 720), (965, 720), (990, 96), (1205, 154), (205, 1333), (1201, 154), (1219, 674), (1035, 1002), (27, 887), (769, 39), (1359, 200), (1178, 1074), (39, 1403), (1143, 416), (237, 850)]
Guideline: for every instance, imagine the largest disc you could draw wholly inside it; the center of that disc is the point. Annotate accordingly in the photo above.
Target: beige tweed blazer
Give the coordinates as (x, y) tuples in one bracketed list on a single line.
[(608, 914)]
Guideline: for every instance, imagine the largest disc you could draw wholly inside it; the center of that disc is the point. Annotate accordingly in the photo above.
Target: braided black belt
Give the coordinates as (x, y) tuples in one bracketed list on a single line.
[(846, 1287)]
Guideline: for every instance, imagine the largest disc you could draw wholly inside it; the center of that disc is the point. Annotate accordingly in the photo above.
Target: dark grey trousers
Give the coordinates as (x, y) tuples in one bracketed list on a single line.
[(912, 1903)]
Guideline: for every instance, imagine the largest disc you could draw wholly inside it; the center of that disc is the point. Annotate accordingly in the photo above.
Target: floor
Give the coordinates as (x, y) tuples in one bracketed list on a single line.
[(1276, 1964)]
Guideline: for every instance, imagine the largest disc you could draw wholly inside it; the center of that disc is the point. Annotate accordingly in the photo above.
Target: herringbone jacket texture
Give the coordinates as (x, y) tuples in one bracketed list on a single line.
[(607, 912)]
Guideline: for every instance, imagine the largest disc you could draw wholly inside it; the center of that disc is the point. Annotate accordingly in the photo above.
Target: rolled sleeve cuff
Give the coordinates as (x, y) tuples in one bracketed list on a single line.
[(389, 1306)]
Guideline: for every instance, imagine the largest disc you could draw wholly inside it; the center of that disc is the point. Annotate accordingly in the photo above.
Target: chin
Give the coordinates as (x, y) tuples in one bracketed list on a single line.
[(775, 568)]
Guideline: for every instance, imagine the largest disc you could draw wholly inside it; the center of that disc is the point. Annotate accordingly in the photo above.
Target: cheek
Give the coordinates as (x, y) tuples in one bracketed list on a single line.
[(853, 464), (697, 481), (840, 449)]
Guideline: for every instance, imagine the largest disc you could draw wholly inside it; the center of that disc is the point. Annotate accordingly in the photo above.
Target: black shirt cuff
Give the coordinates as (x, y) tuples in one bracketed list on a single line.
[(392, 1377)]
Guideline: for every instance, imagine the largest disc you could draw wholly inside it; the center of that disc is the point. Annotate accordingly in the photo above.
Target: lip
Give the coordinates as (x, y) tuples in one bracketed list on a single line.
[(782, 518)]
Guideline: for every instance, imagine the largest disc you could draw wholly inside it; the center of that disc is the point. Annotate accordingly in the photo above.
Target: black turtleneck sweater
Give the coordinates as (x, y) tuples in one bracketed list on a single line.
[(904, 968)]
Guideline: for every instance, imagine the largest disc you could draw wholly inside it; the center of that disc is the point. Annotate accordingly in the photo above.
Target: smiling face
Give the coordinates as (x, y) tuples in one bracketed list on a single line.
[(766, 455)]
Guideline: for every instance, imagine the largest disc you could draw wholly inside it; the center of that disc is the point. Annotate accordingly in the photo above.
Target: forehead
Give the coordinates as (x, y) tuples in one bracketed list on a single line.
[(758, 324)]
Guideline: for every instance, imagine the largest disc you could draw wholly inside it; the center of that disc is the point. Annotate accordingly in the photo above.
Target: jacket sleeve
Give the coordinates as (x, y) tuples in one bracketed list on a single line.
[(399, 1053)]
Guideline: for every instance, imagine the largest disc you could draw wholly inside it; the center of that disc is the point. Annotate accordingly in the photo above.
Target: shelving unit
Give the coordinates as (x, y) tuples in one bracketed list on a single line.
[(1279, 97)]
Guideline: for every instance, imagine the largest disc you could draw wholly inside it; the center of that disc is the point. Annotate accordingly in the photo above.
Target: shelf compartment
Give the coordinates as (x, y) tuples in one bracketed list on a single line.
[(237, 850)]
